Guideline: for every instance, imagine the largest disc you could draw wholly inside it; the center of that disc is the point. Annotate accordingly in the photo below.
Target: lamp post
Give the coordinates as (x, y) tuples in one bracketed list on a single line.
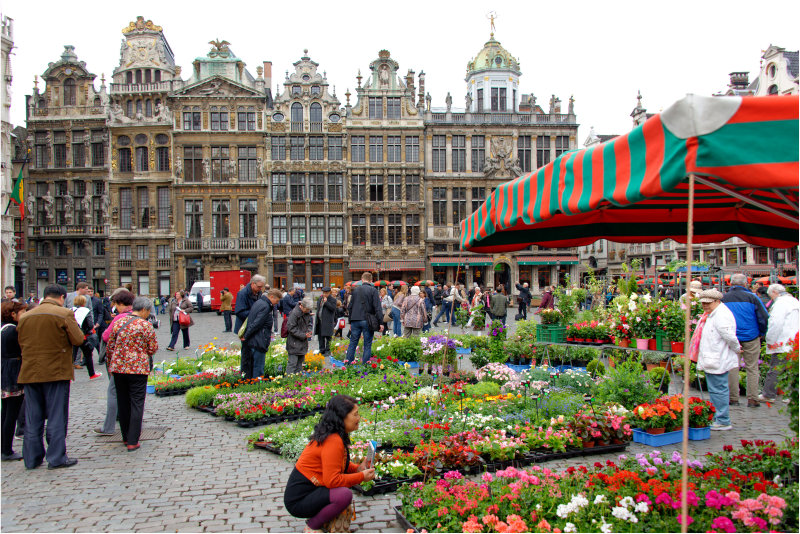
[(778, 256), (558, 273), (378, 268), (23, 269), (199, 268), (290, 279), (467, 277)]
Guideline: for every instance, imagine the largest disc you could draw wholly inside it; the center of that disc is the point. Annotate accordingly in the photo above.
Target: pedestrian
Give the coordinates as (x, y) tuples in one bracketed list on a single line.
[(365, 319), (12, 393), (386, 307), (428, 299), (199, 300), (524, 300), (81, 288), (275, 311), (397, 305), (226, 307), (180, 305), (499, 305), (695, 287), (412, 314), (9, 293), (83, 292), (715, 348), (258, 333), (459, 300), (548, 302), (325, 320), (46, 337), (761, 292), (318, 488), (288, 302), (98, 314), (447, 306), (340, 315), (300, 331), (245, 299), (751, 325), (122, 302), (130, 350), (780, 337), (83, 316)]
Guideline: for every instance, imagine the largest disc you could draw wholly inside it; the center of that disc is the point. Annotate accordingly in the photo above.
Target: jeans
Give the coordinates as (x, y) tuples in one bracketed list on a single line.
[(176, 327), (357, 328), (397, 328), (718, 391), (295, 365), (257, 364), (46, 400), (131, 392), (523, 310), (246, 365), (110, 424), (751, 350), (446, 307), (227, 316), (10, 411), (776, 364), (275, 320)]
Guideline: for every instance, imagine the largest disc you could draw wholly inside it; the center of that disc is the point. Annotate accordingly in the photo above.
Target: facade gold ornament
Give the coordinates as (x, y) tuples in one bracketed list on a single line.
[(141, 25)]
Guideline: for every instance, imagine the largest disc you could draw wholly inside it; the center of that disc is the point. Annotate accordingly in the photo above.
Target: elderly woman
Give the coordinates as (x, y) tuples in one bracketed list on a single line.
[(13, 394), (179, 304), (299, 326), (131, 346), (386, 308), (397, 305), (716, 349), (318, 488), (413, 314), (784, 318)]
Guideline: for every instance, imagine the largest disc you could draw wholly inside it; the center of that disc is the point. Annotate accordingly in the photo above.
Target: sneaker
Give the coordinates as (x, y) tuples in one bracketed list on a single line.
[(170, 348), (786, 401), (95, 376), (717, 426), (762, 398), (733, 403), (753, 403), (99, 431), (12, 457)]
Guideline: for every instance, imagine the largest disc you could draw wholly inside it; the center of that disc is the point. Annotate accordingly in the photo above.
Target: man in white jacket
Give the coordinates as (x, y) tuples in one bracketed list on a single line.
[(718, 353), (784, 319)]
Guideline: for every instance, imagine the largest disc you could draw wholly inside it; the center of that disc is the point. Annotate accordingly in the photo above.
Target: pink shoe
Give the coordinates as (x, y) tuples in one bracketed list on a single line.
[(95, 376)]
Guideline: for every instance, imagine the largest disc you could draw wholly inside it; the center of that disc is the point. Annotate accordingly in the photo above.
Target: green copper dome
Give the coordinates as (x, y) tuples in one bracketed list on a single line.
[(493, 57)]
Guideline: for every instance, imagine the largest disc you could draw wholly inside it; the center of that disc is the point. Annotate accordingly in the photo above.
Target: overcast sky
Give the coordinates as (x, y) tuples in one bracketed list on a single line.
[(600, 52)]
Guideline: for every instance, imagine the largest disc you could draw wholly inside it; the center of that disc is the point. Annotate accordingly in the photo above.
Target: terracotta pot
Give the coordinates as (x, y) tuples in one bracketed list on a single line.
[(616, 441), (624, 343), (570, 339), (652, 344), (651, 366), (655, 430), (601, 443), (588, 444), (642, 344), (677, 346)]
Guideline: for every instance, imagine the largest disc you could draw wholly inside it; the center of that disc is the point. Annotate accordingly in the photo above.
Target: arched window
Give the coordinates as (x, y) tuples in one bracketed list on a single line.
[(316, 117), (139, 76), (148, 76), (158, 76), (129, 108), (138, 107), (297, 117), (97, 102), (773, 90), (129, 77), (148, 108), (42, 103), (69, 92)]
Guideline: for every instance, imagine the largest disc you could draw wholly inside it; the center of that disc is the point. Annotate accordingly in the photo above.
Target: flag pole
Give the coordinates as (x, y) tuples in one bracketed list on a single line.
[(14, 186), (686, 361)]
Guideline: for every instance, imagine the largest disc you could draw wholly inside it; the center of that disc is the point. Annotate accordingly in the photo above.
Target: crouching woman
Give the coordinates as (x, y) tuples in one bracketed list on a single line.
[(319, 486)]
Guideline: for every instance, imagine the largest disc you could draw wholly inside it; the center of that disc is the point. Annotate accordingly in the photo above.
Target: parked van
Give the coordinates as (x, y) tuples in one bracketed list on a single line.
[(204, 286)]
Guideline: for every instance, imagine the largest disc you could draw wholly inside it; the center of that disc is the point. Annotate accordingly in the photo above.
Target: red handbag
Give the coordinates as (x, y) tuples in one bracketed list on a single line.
[(184, 319)]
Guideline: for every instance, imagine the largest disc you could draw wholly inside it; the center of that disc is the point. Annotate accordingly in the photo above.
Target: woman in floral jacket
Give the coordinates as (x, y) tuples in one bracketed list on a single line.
[(413, 314), (131, 346)]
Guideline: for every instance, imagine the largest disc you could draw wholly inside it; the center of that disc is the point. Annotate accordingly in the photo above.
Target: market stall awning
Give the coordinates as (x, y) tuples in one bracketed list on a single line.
[(453, 261), (547, 260), (743, 151), (387, 265)]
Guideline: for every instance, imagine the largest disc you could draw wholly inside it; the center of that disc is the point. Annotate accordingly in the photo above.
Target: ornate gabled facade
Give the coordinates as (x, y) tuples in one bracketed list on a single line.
[(778, 73), (66, 195), (8, 251)]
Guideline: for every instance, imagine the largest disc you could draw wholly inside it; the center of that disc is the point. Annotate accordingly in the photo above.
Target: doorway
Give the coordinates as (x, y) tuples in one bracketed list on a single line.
[(502, 275)]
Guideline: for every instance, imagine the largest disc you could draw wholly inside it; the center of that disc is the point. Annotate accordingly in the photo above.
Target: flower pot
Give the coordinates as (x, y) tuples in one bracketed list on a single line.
[(624, 343), (677, 346), (588, 444), (617, 441), (601, 443), (652, 344), (570, 339), (651, 365), (580, 340), (659, 430), (642, 344)]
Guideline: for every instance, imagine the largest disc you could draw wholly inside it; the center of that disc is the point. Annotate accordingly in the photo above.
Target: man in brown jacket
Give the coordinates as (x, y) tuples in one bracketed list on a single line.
[(226, 307), (46, 336)]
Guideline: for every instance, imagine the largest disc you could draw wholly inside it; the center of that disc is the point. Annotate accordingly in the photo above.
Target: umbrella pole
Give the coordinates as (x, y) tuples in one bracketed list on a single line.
[(686, 362)]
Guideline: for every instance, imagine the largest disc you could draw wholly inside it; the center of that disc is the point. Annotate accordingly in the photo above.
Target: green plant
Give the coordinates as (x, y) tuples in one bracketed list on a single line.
[(626, 384), (406, 349), (788, 380), (595, 368), (659, 375), (653, 357), (201, 396), (482, 389), (526, 330), (479, 357)]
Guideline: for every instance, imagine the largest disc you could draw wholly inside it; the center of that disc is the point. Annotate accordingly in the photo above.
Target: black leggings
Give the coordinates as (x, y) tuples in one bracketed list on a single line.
[(88, 357), (10, 411)]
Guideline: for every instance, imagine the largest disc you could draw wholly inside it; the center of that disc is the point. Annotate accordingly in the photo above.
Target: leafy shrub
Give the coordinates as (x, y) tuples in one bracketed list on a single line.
[(627, 384), (526, 330), (656, 374), (479, 357), (595, 368), (407, 349), (201, 396), (482, 389)]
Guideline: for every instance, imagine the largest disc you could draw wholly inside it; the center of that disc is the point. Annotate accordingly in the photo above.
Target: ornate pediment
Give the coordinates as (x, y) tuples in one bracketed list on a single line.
[(216, 86)]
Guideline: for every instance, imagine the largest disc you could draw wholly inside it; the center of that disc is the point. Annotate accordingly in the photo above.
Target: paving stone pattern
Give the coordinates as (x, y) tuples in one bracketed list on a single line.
[(200, 475)]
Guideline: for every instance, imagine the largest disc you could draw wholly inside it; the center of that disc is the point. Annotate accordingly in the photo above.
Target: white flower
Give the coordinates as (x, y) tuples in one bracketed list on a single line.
[(634, 296), (647, 298), (600, 499), (642, 508), (569, 527), (627, 501), (606, 528)]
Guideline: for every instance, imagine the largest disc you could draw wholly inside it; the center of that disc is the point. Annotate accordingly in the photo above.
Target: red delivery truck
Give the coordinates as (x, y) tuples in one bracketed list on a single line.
[(233, 280)]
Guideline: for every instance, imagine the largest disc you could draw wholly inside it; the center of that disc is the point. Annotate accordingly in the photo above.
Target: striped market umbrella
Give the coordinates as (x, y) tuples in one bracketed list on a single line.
[(741, 150), (425, 283), (398, 283), (382, 283)]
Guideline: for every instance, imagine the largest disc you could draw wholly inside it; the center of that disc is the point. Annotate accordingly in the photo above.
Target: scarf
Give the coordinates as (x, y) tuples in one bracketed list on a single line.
[(694, 347)]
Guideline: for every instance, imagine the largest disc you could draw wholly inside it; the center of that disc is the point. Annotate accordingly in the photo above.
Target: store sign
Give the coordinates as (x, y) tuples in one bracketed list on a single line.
[(61, 276), (80, 275), (43, 273)]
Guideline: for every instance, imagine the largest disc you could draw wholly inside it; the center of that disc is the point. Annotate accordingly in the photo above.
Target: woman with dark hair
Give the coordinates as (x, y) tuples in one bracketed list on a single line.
[(13, 394), (178, 305), (318, 488)]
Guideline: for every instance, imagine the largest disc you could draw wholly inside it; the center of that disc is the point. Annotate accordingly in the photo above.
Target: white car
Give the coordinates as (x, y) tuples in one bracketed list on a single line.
[(203, 287)]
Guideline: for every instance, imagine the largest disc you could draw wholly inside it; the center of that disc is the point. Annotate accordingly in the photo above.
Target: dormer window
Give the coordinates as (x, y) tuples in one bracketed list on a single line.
[(498, 61), (315, 90), (295, 90), (69, 92), (306, 77)]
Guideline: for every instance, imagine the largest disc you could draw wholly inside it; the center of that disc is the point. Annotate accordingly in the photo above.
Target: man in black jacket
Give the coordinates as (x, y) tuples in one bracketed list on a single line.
[(258, 334), (288, 302), (364, 302), (325, 320), (245, 300), (524, 299)]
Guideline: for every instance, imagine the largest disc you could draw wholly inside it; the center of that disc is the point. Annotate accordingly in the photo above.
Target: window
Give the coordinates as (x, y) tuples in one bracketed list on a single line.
[(220, 164), (41, 150), (163, 252), (69, 92), (164, 207), (125, 163), (459, 153), (317, 274), (142, 161), (193, 210), (317, 229), (297, 117), (524, 152), (315, 116), (478, 143), (393, 108), (542, 151), (142, 252), (144, 207), (459, 203), (129, 109), (439, 206), (192, 120), (480, 100), (395, 188), (562, 144), (162, 159), (298, 148), (60, 149), (478, 197), (278, 148), (393, 149), (78, 151), (315, 90), (248, 217), (278, 187), (412, 149), (143, 284), (359, 229), (99, 248), (412, 187), (357, 148), (395, 229), (97, 211), (296, 90), (498, 98), (376, 148), (41, 190), (219, 119), (315, 148), (298, 230), (139, 108), (376, 188), (279, 230), (297, 187), (316, 187), (98, 149), (335, 148), (125, 252), (193, 163), (335, 187), (61, 248), (358, 185), (99, 188), (336, 229), (125, 208), (220, 218), (439, 153), (375, 107), (148, 106), (246, 119), (248, 164), (376, 229), (412, 229)]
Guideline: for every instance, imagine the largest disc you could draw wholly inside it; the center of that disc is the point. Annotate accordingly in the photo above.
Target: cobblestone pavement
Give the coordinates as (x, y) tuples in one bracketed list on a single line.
[(200, 475)]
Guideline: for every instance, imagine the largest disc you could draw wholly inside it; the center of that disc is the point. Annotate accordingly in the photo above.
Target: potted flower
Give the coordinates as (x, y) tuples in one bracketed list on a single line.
[(701, 412), (674, 323), (653, 418), (586, 428)]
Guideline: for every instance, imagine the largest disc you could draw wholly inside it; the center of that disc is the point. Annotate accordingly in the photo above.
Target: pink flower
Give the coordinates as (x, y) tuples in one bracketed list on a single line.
[(724, 524), (665, 499), (543, 525), (642, 497), (471, 525), (418, 503), (759, 523), (688, 518), (487, 477)]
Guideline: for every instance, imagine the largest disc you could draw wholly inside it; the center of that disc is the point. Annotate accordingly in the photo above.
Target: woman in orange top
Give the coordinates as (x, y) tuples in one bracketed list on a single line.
[(318, 487)]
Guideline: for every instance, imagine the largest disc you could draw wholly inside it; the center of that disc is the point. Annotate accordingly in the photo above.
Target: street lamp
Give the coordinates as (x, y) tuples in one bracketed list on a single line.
[(467, 277), (378, 268), (199, 268), (290, 279), (558, 273), (23, 269), (778, 256)]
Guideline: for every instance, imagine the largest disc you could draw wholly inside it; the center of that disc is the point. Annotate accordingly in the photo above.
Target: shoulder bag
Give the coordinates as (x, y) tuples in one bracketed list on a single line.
[(184, 319)]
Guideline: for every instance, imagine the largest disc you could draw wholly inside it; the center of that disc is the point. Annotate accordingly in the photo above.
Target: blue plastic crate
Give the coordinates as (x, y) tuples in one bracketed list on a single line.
[(411, 365), (518, 368), (336, 363), (565, 368), (699, 434), (657, 440), (463, 350), (151, 388)]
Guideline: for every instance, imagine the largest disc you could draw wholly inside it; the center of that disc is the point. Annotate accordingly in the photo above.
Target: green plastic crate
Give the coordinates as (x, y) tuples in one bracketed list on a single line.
[(558, 334), (661, 341)]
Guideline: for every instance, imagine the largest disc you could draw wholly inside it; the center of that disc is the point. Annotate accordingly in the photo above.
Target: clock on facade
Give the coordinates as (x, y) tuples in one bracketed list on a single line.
[(333, 117), (277, 117)]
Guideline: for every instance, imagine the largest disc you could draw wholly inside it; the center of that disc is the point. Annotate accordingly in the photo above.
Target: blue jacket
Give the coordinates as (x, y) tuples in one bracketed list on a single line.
[(749, 312), (244, 301)]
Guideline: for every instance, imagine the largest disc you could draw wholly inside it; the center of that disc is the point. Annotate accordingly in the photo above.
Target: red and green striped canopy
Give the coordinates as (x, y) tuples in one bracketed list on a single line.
[(634, 188)]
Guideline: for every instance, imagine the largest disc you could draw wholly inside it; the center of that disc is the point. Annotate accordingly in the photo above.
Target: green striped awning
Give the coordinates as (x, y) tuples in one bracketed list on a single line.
[(547, 260), (454, 261), (387, 266)]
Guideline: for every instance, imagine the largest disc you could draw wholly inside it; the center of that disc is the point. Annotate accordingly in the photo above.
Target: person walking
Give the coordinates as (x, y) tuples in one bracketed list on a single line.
[(130, 350), (340, 315), (499, 305), (258, 333), (325, 320), (83, 316), (548, 302), (300, 331), (524, 300), (447, 306), (386, 307), (46, 336), (178, 306), (318, 487), (12, 393), (365, 320), (459, 300), (397, 305), (413, 313), (782, 332), (226, 307), (715, 348), (751, 325), (247, 296), (81, 288)]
